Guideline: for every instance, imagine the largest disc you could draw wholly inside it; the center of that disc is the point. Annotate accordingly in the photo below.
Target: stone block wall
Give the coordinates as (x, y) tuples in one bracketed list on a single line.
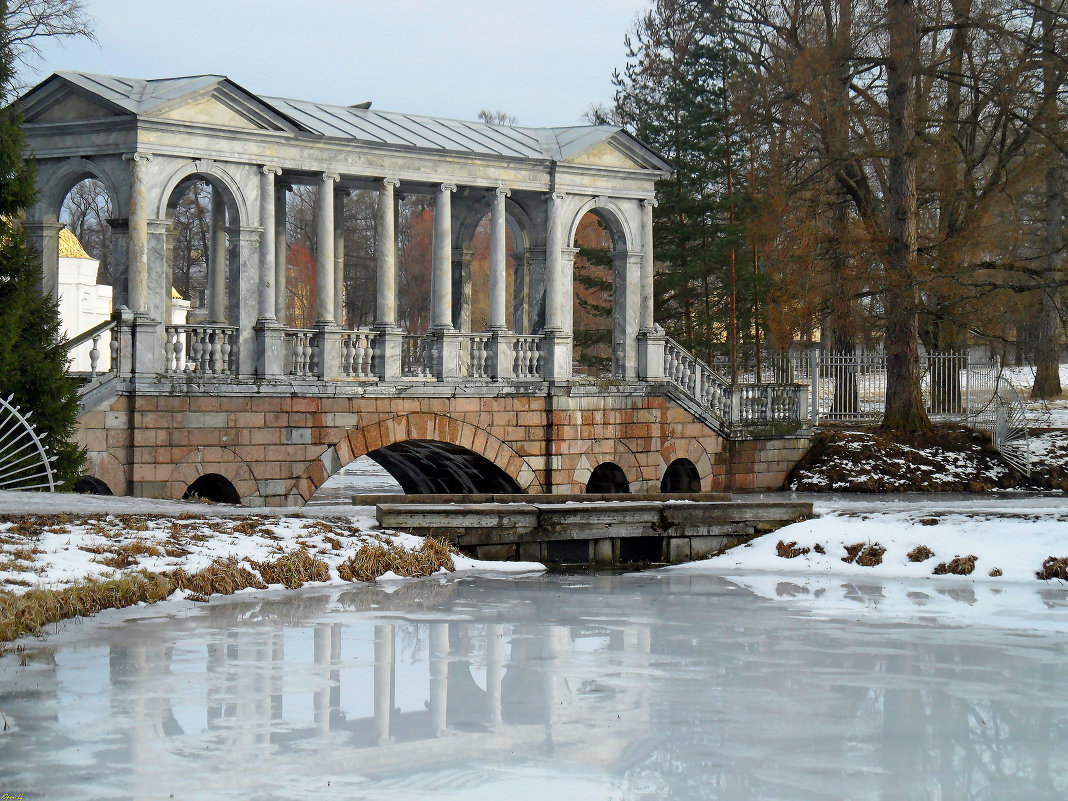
[(277, 450)]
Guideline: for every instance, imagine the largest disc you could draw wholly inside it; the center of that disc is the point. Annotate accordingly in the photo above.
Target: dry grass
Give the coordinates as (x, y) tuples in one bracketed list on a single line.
[(31, 611), (921, 553), (293, 569), (871, 556), (789, 550), (852, 552), (957, 566), (995, 572), (372, 561), (1055, 567), (223, 576)]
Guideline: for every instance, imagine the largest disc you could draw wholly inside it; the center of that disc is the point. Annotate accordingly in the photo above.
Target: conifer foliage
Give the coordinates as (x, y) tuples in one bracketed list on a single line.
[(33, 355)]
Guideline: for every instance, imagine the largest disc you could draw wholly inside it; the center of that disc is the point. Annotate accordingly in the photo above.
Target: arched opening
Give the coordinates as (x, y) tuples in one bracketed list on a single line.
[(212, 487), (599, 316), (91, 485), (607, 478), (361, 476), (473, 300), (440, 468), (202, 253), (85, 285), (681, 476)]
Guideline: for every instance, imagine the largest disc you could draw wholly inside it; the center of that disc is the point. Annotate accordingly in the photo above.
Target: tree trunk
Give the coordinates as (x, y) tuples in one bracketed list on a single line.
[(1048, 326), (904, 409)]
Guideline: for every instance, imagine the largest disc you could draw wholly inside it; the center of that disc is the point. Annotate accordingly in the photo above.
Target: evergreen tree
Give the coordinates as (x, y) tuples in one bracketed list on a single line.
[(33, 355), (673, 96)]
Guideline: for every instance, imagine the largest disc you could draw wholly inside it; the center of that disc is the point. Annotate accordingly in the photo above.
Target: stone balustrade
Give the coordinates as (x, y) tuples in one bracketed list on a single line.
[(358, 355), (526, 364), (202, 349), (302, 349)]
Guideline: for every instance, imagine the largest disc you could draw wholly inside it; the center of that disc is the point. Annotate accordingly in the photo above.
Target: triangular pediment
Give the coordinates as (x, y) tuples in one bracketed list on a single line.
[(606, 154), (57, 101), (212, 111)]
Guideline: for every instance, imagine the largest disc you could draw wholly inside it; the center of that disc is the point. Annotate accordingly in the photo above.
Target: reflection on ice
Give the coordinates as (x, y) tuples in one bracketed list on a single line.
[(622, 687)]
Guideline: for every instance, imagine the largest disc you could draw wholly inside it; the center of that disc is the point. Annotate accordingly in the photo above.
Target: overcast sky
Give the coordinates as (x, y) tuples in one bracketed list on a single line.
[(543, 61)]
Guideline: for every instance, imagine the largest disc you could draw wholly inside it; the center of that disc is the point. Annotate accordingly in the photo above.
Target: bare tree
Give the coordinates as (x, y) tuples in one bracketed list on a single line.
[(497, 117), (30, 21)]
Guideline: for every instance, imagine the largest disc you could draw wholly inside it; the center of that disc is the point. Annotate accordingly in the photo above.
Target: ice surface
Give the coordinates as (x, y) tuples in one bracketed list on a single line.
[(656, 685)]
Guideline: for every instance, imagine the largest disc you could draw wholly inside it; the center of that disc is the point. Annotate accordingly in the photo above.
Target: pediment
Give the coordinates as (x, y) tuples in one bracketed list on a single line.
[(212, 111), (606, 154), (66, 105)]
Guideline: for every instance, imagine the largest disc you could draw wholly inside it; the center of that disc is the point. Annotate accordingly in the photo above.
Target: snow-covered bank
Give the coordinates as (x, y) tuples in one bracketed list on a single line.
[(1010, 537), (56, 541)]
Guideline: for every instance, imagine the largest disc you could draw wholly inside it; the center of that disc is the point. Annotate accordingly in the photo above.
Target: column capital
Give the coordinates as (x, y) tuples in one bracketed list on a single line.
[(331, 176), (555, 195), (501, 190), (390, 182), (137, 156), (650, 201), (447, 188), (271, 169)]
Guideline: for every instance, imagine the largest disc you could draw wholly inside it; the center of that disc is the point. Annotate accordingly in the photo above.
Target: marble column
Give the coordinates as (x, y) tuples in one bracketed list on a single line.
[(268, 263), (217, 266), (650, 339), (45, 236), (498, 263), (270, 340), (324, 272), (554, 279), (137, 237), (645, 315), (441, 275), (390, 340), (386, 250), (339, 257), (281, 250)]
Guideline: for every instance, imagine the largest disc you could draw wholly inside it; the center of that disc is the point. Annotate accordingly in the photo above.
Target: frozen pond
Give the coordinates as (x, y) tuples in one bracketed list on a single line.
[(646, 686)]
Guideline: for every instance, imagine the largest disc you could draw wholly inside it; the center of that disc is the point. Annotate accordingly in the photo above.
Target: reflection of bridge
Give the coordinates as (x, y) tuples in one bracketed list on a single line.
[(242, 405)]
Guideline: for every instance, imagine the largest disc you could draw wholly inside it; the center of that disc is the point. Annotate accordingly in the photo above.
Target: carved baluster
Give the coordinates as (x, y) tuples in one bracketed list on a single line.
[(179, 346), (114, 348), (228, 352)]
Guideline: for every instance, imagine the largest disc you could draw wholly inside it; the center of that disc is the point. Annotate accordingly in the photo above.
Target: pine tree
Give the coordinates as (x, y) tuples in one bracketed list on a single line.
[(673, 96), (33, 355)]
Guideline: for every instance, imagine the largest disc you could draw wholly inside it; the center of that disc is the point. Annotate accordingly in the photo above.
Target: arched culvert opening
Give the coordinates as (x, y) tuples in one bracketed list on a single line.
[(212, 487), (681, 476), (424, 467), (91, 485), (361, 476), (607, 478)]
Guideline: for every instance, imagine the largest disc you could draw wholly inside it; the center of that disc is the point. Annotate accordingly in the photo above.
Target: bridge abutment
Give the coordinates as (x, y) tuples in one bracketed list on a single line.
[(277, 449)]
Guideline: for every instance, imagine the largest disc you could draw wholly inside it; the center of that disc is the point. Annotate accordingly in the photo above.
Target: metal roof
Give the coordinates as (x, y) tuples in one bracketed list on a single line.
[(140, 96)]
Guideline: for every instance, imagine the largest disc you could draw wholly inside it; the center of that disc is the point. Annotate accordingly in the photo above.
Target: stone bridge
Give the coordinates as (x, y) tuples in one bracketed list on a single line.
[(242, 406)]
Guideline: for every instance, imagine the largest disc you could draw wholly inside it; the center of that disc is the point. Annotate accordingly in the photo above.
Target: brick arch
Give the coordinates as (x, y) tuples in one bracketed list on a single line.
[(691, 449), (414, 425), (213, 460), (605, 451)]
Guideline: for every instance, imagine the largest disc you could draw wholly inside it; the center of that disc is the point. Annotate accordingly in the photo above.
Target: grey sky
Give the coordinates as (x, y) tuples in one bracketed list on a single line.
[(544, 61)]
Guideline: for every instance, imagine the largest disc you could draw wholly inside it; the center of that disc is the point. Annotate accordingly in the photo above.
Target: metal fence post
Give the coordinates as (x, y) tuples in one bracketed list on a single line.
[(814, 394)]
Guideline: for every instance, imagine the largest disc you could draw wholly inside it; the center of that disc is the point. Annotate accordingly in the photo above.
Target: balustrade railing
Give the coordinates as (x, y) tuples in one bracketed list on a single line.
[(200, 349), (737, 405), (302, 352), (474, 355), (358, 354), (527, 360), (95, 336), (416, 356)]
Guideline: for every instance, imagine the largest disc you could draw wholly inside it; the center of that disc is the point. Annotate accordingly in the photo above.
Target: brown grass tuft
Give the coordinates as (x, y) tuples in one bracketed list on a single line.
[(871, 556), (789, 550), (819, 549), (372, 561), (293, 569), (958, 566), (995, 572), (852, 552), (224, 576), (921, 553), (1054, 568)]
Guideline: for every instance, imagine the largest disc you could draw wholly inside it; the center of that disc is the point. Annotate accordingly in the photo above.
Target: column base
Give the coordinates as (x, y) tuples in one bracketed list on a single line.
[(329, 350), (651, 355), (388, 352), (270, 349), (147, 346), (556, 356)]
